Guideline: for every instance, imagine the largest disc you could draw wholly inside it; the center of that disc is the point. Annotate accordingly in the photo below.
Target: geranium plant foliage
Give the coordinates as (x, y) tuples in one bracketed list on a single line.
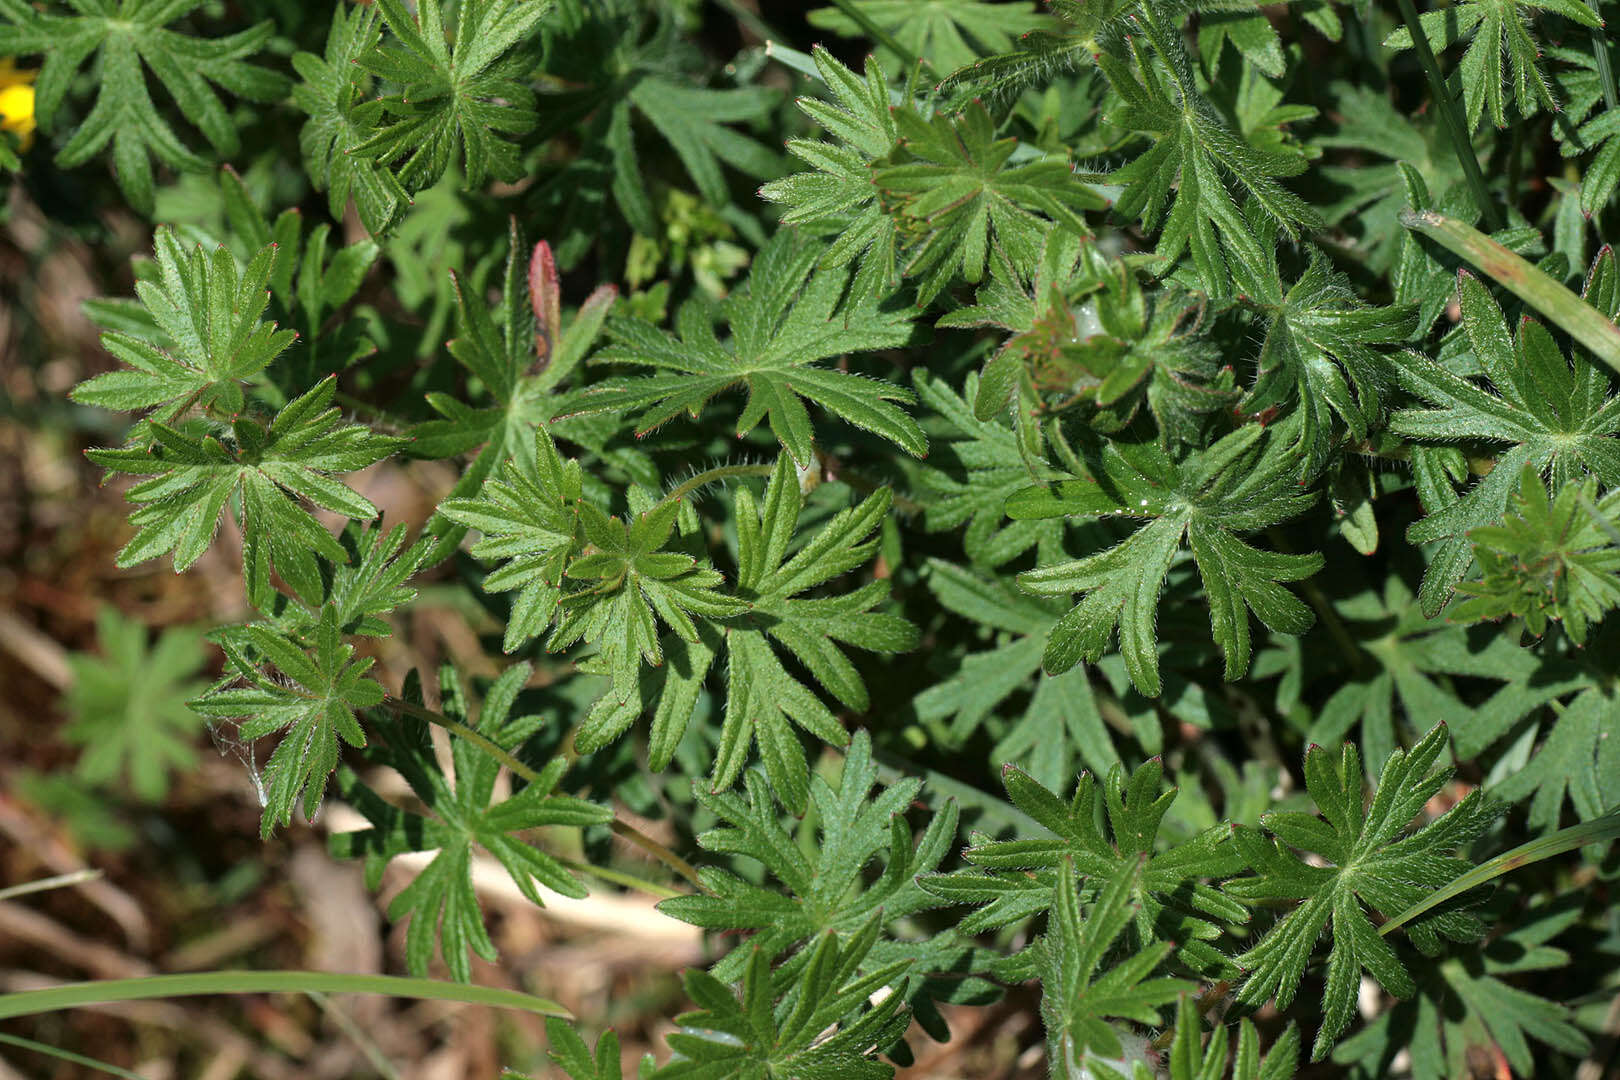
[(1119, 510)]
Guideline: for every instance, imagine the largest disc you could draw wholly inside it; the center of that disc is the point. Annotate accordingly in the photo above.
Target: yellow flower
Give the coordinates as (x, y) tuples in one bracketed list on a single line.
[(17, 102)]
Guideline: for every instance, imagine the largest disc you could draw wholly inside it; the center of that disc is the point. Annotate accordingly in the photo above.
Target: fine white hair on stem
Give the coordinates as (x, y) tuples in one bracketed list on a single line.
[(731, 461)]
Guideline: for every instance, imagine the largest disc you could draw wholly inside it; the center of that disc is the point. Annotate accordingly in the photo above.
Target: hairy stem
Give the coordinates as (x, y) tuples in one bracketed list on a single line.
[(619, 877), (460, 730), (715, 476), (662, 853)]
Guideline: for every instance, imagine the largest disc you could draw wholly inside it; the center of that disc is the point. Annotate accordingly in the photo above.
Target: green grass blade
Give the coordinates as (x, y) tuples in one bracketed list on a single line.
[(1450, 116), (73, 995), (1574, 316), (1600, 54), (357, 1035), (1595, 831), (60, 881), (70, 1057)]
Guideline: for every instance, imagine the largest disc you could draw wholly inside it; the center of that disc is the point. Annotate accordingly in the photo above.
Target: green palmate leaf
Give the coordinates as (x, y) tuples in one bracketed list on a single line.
[(206, 337), (1167, 899), (1195, 151), (932, 196), (1409, 666), (1583, 82), (327, 280), (1602, 174), (829, 890), (1319, 349), (958, 196), (375, 579), (1553, 417), (129, 38), (311, 280), (275, 685), (781, 622), (1060, 723), (1547, 560), (268, 470), (836, 196), (520, 353), (583, 574), (1079, 997), (1466, 1002), (1364, 863), (1254, 98), (460, 91), (341, 118), (693, 119), (128, 705), (95, 821), (1494, 30), (1252, 36), (1111, 352), (757, 1036), (1037, 307), (775, 626), (603, 71), (1248, 480), (949, 34), (1578, 760), (972, 468), (529, 516), (782, 325), (373, 582), (460, 817)]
